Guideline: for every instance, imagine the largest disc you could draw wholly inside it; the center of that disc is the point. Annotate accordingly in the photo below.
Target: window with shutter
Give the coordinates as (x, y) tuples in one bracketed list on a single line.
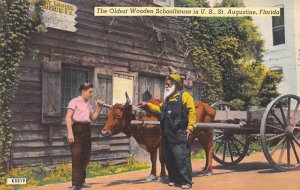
[(51, 93)]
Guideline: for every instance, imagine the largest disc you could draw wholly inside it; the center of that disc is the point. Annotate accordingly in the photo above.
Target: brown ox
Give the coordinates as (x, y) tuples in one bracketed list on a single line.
[(149, 136)]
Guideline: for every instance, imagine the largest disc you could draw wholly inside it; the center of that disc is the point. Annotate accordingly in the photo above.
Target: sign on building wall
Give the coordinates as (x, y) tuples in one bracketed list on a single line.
[(122, 84), (59, 15)]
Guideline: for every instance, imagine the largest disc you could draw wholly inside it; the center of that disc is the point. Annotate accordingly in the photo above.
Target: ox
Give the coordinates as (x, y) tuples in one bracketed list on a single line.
[(148, 137)]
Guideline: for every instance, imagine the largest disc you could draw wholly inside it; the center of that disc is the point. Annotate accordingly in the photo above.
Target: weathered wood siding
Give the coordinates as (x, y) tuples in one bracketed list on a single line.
[(104, 45)]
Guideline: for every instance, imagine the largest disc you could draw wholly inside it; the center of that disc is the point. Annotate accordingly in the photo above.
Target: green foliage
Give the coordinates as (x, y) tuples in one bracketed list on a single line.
[(43, 175), (231, 3), (198, 156), (268, 88), (15, 27), (193, 3), (227, 51)]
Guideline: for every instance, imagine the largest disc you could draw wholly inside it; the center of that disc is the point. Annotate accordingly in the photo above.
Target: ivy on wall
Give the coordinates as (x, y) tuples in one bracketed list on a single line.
[(15, 26)]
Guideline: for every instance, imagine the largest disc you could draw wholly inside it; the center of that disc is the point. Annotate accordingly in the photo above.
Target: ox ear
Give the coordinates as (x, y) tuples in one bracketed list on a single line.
[(128, 101)]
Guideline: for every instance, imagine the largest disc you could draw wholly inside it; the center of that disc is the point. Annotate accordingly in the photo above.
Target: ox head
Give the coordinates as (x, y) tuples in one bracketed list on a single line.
[(118, 119)]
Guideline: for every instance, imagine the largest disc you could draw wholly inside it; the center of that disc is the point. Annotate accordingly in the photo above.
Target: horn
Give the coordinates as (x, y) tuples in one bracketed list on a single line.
[(128, 101), (107, 105)]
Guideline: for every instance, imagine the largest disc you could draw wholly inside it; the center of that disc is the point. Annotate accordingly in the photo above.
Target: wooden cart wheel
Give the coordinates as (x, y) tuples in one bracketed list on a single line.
[(280, 132), (230, 146)]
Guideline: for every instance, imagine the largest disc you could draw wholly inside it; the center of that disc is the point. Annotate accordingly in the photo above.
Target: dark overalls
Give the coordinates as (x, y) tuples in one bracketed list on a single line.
[(177, 154)]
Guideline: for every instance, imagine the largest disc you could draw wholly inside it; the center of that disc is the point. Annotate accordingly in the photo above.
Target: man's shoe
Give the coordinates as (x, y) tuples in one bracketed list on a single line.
[(86, 185), (75, 187), (171, 184), (186, 186)]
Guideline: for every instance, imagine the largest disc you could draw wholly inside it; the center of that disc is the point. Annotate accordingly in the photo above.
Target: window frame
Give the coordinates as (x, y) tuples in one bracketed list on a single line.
[(279, 28), (64, 104)]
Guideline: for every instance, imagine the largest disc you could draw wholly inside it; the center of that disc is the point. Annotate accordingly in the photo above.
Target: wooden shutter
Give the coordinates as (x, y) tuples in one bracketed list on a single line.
[(102, 86), (51, 94)]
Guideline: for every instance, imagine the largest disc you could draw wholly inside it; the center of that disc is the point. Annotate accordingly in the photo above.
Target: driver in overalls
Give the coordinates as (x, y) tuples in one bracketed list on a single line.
[(178, 118)]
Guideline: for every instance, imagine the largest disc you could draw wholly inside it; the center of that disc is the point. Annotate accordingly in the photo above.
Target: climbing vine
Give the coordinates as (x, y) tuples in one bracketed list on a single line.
[(16, 23)]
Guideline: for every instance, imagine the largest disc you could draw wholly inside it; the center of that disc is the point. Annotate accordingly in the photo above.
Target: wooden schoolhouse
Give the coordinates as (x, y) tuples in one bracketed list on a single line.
[(115, 54)]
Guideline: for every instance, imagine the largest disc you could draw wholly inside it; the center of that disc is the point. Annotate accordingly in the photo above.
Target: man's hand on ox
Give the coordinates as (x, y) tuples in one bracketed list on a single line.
[(99, 102), (188, 135), (142, 104)]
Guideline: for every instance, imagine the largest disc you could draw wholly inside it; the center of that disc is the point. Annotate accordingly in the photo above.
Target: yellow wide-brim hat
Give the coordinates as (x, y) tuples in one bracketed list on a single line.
[(177, 78)]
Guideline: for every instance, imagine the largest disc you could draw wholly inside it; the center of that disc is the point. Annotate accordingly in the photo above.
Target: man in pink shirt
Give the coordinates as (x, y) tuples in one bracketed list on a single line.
[(79, 116)]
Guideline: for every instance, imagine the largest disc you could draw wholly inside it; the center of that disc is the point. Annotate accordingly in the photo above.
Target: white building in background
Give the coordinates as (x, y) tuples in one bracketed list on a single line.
[(282, 40)]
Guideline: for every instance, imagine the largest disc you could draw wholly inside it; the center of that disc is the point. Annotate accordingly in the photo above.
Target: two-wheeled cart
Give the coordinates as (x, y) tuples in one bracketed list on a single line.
[(277, 125)]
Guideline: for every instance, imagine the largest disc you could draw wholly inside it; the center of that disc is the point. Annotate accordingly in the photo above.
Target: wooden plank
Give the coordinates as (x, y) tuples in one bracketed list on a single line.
[(71, 45), (30, 73), (143, 67), (256, 115), (31, 161), (230, 115), (29, 84), (30, 135), (28, 92), (28, 62), (120, 147), (40, 152), (110, 155), (26, 126), (98, 147), (24, 116), (59, 151), (31, 144), (27, 107), (119, 141), (22, 98)]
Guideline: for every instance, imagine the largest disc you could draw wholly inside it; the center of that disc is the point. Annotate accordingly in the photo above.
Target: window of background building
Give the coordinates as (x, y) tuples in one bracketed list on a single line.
[(71, 78), (278, 28)]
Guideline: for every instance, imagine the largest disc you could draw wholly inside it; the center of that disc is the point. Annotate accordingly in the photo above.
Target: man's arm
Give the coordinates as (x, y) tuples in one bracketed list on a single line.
[(70, 112), (154, 108), (188, 102), (96, 114)]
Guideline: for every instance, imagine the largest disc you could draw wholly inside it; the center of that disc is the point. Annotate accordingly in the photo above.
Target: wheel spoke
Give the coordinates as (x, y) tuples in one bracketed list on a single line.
[(296, 142), (224, 152), (277, 145), (218, 137), (280, 129), (289, 109), (295, 152), (281, 152), (229, 148), (283, 115), (236, 147), (288, 153), (239, 141), (219, 146), (275, 116), (275, 137)]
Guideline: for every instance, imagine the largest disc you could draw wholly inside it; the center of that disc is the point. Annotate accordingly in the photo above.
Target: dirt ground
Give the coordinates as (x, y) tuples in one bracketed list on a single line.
[(253, 173)]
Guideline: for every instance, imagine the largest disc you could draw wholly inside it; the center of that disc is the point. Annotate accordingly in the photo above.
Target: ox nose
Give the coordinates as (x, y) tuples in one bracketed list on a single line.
[(106, 133)]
